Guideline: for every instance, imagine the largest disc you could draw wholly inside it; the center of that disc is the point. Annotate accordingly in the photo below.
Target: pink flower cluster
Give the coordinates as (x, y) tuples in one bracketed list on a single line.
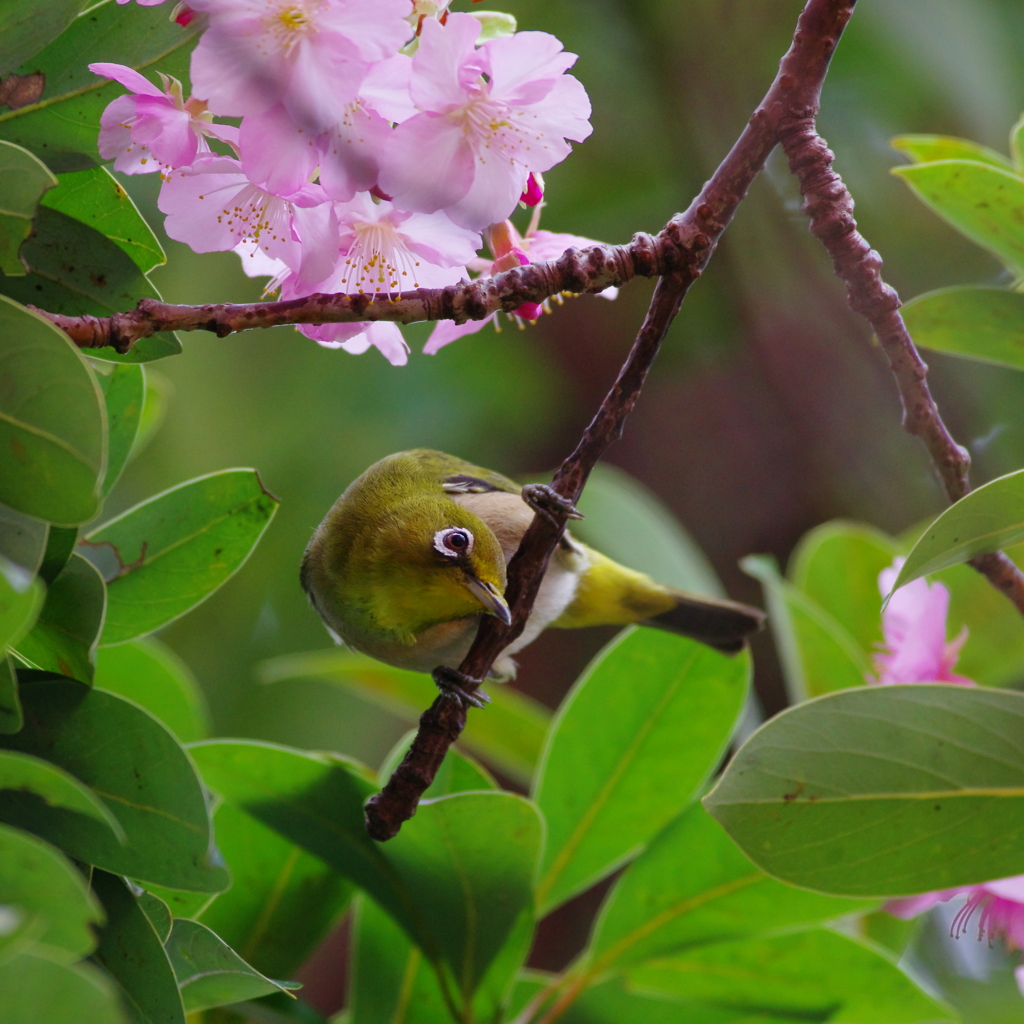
[(916, 651), (378, 140)]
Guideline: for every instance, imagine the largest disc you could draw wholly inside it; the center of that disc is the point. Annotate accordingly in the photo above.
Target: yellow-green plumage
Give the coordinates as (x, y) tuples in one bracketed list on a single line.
[(383, 574)]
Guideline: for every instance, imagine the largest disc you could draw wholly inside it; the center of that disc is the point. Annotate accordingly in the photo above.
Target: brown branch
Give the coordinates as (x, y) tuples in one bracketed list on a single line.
[(829, 205), (693, 236)]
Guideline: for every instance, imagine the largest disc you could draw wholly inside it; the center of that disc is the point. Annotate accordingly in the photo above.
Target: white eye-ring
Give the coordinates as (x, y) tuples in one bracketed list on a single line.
[(453, 541)]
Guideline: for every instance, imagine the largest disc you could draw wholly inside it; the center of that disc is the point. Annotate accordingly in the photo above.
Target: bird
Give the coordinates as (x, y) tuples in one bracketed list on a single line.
[(414, 553)]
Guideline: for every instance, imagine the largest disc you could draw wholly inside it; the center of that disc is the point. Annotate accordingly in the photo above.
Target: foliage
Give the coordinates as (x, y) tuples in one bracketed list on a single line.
[(152, 872)]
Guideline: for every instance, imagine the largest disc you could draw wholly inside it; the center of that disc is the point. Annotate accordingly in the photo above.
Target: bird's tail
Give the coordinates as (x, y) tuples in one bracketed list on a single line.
[(724, 625)]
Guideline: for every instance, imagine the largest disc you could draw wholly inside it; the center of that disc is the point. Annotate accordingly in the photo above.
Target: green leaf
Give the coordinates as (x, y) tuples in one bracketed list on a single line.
[(75, 269), (41, 882), (60, 543), (817, 654), (54, 786), (154, 408), (457, 774), (64, 638), (978, 323), (151, 674), (124, 392), (26, 26), (135, 766), (168, 554), (282, 901), (457, 877), (629, 523), (131, 951), (52, 422), (180, 902), (923, 149), (837, 565), (812, 975), (209, 971), (63, 126), (638, 735), (157, 912), (22, 539), (21, 598), (37, 989), (988, 518), (691, 888), (24, 179), (1016, 147), (882, 791), (510, 736), (11, 718), (94, 197), (984, 203)]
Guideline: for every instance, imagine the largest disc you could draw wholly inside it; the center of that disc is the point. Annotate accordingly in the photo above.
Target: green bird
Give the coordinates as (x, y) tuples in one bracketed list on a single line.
[(414, 553)]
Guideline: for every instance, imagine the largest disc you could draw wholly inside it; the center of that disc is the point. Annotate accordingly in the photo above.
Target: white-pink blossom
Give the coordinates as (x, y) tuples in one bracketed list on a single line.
[(309, 55), (489, 116), (212, 206), (153, 129)]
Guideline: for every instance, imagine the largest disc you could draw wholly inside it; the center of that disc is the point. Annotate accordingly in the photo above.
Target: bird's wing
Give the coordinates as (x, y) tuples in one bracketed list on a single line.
[(456, 476)]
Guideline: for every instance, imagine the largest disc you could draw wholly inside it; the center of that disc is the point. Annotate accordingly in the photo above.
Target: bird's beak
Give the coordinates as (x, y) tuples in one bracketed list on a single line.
[(489, 596)]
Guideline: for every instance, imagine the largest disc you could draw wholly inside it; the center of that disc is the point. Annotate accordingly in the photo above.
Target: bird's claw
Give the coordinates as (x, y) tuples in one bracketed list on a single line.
[(548, 503), (452, 683)]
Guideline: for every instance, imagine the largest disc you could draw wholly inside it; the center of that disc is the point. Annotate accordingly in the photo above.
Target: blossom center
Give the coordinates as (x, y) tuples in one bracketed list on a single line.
[(292, 22), (378, 260)]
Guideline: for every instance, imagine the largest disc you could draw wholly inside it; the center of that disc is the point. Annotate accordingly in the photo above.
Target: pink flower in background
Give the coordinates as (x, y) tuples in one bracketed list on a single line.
[(154, 129), (914, 626), (488, 118), (309, 55), (511, 250), (212, 206), (382, 335)]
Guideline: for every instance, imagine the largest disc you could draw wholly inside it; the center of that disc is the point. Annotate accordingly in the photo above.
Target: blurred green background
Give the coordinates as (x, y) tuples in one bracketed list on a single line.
[(769, 410)]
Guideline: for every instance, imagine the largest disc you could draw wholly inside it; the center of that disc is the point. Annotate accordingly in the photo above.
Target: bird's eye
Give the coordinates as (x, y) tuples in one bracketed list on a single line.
[(453, 541)]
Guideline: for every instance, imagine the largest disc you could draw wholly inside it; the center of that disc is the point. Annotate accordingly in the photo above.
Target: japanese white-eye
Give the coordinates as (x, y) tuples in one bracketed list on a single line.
[(414, 552)]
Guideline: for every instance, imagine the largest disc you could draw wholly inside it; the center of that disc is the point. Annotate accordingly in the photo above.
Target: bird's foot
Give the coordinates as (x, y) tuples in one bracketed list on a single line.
[(548, 503), (452, 683)]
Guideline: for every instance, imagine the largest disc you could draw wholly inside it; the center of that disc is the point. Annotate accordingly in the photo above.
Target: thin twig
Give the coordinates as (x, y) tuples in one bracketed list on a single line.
[(829, 205), (693, 236)]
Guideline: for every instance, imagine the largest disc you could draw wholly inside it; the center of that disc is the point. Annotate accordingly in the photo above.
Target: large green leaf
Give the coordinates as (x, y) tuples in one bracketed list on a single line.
[(638, 735), (41, 882), (282, 900), (812, 975), (52, 421), (26, 26), (65, 635), (979, 323), (24, 179), (135, 766), (131, 951), (457, 877), (983, 202), (510, 735), (94, 197), (124, 393), (924, 149), (691, 888), (11, 718), (627, 522), (22, 539), (36, 989), (21, 598), (75, 269), (63, 126), (818, 655), (988, 518), (54, 786), (209, 971), (882, 791), (163, 557), (151, 674)]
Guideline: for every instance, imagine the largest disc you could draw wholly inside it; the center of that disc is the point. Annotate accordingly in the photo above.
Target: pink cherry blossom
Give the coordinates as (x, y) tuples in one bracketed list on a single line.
[(914, 627), (212, 206), (154, 129), (309, 55), (489, 116)]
